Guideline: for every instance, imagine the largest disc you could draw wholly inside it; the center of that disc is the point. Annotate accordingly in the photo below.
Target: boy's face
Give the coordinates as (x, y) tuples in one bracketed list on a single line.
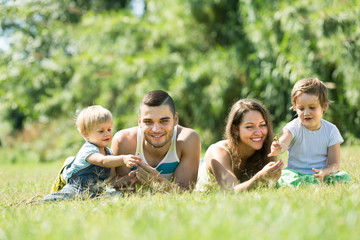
[(101, 134), (309, 110), (157, 124)]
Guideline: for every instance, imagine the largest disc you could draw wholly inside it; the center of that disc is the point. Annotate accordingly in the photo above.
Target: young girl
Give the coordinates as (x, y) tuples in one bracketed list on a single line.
[(313, 143), (240, 161), (94, 163)]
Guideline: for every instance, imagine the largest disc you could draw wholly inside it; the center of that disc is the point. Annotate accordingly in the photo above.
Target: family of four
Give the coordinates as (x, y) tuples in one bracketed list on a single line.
[(159, 153)]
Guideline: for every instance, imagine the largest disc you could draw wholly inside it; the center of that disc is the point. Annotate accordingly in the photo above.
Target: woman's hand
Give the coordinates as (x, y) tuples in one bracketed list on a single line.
[(271, 172)]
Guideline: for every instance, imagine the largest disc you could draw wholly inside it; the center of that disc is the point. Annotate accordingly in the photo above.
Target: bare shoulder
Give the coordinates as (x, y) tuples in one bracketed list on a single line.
[(186, 135), (187, 141), (217, 153), (126, 134), (124, 141)]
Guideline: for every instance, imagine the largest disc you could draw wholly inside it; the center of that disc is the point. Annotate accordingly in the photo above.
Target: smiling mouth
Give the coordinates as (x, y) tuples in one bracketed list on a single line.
[(157, 136), (257, 139)]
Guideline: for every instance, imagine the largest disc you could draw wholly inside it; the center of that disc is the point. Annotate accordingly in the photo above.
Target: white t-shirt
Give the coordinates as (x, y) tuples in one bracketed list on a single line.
[(309, 149)]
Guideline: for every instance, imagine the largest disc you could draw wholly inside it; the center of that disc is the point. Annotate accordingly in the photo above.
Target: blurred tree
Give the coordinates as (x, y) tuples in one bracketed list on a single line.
[(207, 54)]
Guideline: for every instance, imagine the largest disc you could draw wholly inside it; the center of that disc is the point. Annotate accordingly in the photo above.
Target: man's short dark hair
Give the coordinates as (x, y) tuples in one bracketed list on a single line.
[(158, 98)]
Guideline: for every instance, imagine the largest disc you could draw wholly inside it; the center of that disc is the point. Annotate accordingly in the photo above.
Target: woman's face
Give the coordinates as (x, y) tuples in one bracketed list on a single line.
[(253, 130)]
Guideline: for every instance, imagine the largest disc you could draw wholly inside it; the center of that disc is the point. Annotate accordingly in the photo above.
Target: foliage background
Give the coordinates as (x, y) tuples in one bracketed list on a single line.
[(68, 54)]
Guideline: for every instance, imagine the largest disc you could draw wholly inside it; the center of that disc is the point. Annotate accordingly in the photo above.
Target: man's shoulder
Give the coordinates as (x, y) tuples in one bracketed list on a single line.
[(188, 144), (124, 141), (126, 134), (187, 139), (186, 134)]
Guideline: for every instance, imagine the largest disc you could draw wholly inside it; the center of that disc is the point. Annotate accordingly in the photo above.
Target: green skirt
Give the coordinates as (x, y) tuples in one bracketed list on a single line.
[(297, 179)]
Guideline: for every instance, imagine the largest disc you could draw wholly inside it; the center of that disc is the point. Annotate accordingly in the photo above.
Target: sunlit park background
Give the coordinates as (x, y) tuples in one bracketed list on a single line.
[(57, 57)]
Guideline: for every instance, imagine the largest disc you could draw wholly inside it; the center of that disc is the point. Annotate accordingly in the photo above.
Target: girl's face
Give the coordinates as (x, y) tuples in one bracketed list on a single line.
[(309, 110), (101, 134), (253, 130)]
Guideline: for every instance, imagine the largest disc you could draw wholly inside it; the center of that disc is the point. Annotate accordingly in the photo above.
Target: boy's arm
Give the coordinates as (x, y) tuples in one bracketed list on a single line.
[(333, 162), (279, 146), (110, 161)]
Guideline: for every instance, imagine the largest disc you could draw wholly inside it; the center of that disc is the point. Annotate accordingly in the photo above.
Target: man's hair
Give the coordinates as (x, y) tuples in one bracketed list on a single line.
[(310, 86), (158, 98), (91, 116)]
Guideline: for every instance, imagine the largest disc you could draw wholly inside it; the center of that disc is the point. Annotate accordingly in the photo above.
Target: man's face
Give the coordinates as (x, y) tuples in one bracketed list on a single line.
[(157, 124)]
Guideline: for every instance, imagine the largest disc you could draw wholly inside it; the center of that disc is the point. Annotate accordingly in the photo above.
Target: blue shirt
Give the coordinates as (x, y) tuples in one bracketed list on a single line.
[(80, 163)]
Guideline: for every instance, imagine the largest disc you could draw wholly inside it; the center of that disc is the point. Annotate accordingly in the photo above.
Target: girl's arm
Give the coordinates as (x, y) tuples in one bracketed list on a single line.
[(110, 161), (279, 146), (333, 162)]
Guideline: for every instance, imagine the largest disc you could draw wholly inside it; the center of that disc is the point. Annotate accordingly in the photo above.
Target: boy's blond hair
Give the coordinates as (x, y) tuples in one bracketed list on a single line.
[(310, 86), (91, 116)]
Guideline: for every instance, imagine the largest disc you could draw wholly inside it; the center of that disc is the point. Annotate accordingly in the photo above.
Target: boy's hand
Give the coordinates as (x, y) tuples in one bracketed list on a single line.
[(275, 148), (131, 161)]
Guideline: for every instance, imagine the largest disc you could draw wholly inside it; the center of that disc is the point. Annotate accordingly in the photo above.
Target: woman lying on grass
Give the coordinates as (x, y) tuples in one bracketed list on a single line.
[(240, 162)]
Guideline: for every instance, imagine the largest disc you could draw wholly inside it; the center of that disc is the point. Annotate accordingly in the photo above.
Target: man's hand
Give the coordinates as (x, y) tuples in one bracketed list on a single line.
[(147, 174), (132, 176)]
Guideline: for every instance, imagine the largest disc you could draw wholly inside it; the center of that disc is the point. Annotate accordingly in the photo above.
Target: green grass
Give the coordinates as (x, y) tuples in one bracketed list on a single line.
[(315, 212)]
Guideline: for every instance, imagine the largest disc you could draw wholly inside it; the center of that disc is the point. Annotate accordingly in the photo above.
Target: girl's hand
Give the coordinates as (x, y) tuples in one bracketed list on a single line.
[(319, 174), (131, 161), (275, 148)]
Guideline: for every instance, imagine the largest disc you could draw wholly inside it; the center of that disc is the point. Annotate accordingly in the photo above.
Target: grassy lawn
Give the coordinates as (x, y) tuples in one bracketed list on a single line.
[(315, 212)]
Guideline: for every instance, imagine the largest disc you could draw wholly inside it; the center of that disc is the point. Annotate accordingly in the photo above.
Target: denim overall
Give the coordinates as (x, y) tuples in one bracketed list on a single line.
[(86, 183)]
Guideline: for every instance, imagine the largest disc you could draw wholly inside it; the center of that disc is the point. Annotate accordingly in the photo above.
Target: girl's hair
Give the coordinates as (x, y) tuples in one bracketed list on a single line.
[(257, 161), (311, 86), (91, 116)]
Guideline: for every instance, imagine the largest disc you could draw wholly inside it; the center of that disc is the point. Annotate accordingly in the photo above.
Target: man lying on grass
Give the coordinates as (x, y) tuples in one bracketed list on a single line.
[(170, 153)]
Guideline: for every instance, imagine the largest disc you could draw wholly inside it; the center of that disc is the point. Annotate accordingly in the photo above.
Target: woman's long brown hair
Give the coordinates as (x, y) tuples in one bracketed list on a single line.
[(257, 161)]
